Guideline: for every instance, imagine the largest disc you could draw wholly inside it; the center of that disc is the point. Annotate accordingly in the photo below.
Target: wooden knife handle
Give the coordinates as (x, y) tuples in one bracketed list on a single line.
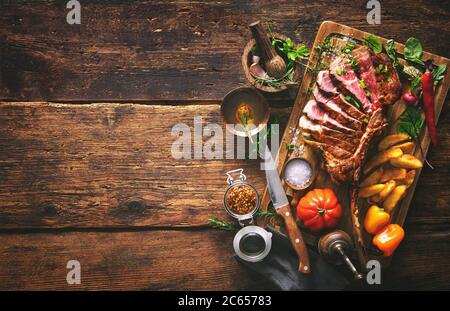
[(296, 238)]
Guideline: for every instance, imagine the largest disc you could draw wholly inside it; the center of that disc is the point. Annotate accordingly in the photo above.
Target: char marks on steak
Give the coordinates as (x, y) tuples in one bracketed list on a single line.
[(316, 114), (348, 168), (335, 111), (388, 82), (327, 135), (342, 131), (367, 72), (346, 78)]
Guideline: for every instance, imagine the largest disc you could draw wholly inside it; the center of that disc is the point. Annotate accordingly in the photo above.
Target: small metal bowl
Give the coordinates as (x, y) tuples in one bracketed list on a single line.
[(252, 98)]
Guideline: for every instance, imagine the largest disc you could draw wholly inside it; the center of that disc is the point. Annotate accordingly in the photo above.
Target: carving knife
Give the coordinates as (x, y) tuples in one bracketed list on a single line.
[(281, 204)]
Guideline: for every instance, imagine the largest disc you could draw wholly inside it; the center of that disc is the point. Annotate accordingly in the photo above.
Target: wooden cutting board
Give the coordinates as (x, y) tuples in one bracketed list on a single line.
[(337, 34)]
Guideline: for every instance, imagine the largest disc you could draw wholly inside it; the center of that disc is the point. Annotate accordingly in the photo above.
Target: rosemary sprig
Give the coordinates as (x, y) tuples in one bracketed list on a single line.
[(221, 224), (270, 215)]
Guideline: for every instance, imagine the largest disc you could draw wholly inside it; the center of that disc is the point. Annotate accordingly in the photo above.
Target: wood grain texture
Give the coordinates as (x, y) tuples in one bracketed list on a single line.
[(30, 152), (107, 165), (169, 50), (182, 260), (147, 260)]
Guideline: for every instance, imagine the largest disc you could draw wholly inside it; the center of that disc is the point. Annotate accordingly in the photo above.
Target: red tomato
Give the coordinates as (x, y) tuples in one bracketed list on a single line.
[(319, 209)]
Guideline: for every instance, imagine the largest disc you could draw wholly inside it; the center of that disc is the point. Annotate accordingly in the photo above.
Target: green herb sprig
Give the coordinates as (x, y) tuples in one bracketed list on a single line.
[(221, 224)]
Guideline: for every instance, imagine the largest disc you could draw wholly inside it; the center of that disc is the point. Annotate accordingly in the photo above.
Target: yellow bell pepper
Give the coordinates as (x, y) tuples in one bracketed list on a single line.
[(376, 219)]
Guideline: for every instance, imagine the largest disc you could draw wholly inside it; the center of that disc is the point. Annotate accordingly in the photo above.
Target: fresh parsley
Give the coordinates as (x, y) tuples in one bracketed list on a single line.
[(392, 54), (413, 51), (411, 122), (438, 73), (353, 62), (352, 101), (340, 71), (349, 47), (374, 43)]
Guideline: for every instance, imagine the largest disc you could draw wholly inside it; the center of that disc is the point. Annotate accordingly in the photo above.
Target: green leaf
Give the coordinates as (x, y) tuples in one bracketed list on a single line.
[(415, 83), (302, 51), (340, 71), (349, 47), (413, 51), (411, 122), (292, 55), (438, 73), (352, 101), (288, 43), (390, 51), (374, 43)]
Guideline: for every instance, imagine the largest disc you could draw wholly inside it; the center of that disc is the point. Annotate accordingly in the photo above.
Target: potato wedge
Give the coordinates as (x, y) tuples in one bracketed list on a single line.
[(392, 140), (383, 194), (382, 157), (373, 178), (392, 173), (407, 147), (370, 190), (394, 197), (409, 179), (406, 161)]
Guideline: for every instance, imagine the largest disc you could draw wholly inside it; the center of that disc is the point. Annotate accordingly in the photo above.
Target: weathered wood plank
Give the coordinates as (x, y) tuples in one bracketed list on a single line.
[(180, 260), (147, 260), (172, 50), (110, 165), (107, 165)]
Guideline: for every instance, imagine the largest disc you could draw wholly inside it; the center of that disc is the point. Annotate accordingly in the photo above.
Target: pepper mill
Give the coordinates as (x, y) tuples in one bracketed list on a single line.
[(274, 63), (334, 247)]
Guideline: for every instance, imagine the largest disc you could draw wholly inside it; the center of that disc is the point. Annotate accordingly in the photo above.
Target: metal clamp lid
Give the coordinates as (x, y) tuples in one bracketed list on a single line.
[(255, 232), (231, 173)]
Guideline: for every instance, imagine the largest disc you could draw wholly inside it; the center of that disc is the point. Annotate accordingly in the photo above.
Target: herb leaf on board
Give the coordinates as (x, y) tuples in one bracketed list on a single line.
[(392, 54), (374, 43), (413, 51), (411, 122), (438, 73)]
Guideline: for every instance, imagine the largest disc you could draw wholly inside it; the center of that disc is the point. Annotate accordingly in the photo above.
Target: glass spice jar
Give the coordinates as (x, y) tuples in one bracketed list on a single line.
[(241, 200)]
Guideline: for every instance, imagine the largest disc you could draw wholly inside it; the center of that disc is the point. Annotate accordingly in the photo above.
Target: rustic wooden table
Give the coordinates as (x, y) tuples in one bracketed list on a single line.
[(86, 170)]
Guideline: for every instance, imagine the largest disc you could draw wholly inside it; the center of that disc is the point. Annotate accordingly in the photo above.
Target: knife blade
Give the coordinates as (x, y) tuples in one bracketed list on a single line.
[(281, 205)]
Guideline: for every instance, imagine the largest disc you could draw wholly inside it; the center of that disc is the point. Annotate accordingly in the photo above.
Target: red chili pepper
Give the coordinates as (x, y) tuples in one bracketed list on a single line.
[(428, 104)]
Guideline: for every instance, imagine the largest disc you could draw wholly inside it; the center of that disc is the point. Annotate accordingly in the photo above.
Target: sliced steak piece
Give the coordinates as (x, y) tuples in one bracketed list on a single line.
[(315, 113), (334, 111), (325, 83), (342, 169), (344, 74), (350, 109), (335, 151), (367, 72), (325, 135), (388, 81)]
